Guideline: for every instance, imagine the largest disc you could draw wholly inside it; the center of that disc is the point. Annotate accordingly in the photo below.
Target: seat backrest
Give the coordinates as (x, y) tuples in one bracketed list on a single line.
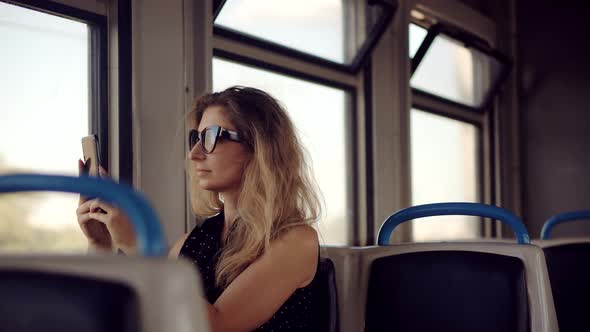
[(48, 301), (447, 291), (569, 274), (326, 304), (99, 294), (444, 287)]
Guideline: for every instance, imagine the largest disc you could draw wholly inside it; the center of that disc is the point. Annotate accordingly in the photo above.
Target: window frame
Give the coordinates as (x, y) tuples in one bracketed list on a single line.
[(469, 40), (358, 118), (388, 10), (482, 117), (350, 116), (480, 124), (97, 62), (478, 121)]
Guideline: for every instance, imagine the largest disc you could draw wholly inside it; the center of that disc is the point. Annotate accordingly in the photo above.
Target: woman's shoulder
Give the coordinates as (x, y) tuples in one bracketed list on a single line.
[(301, 236), (301, 240), (299, 246)]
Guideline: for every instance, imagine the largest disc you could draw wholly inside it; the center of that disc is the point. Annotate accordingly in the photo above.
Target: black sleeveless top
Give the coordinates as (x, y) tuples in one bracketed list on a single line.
[(202, 248)]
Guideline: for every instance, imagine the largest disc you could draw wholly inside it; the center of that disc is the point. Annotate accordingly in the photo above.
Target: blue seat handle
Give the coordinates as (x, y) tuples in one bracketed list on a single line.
[(445, 209), (560, 218), (143, 217)]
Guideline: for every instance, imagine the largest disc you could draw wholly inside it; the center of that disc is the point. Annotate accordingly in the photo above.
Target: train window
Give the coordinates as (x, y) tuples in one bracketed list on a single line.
[(315, 27), (417, 35), (46, 96), (315, 110), (455, 77), (445, 167), (467, 71), (339, 34), (463, 75)]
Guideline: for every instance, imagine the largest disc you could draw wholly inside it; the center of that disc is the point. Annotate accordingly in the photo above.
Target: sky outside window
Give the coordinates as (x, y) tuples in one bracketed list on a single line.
[(44, 108)]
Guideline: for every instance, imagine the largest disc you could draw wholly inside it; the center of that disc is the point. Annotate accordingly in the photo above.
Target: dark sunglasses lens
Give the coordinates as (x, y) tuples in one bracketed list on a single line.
[(209, 140), (193, 139)]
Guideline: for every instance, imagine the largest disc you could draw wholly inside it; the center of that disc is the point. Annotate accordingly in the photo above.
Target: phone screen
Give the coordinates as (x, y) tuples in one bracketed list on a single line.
[(91, 154)]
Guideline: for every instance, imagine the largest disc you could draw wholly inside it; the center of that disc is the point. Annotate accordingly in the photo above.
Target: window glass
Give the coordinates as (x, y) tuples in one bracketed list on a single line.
[(417, 35), (319, 114), (444, 160), (44, 112), (330, 29), (455, 72)]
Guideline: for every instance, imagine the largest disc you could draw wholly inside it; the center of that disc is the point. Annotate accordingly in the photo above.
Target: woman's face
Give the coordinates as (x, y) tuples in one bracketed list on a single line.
[(222, 169)]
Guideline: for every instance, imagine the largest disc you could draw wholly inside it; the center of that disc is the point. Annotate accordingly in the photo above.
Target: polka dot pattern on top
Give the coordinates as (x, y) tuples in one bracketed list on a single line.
[(202, 248)]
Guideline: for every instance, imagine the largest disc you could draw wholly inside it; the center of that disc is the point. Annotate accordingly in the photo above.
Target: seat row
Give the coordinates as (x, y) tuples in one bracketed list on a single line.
[(452, 286), (462, 286)]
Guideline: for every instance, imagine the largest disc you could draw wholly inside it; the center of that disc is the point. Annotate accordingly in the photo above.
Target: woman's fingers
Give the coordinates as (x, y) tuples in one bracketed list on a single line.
[(84, 218), (81, 167), (103, 172), (103, 212), (102, 217), (84, 207), (94, 205), (81, 171), (98, 206)]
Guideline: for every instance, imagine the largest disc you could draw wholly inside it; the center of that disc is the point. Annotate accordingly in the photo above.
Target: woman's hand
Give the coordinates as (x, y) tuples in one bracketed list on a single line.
[(106, 227)]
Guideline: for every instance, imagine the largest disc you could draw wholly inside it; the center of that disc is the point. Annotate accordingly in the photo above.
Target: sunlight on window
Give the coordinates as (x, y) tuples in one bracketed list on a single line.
[(319, 114), (316, 27), (44, 111), (444, 161), (455, 72), (447, 71), (417, 35)]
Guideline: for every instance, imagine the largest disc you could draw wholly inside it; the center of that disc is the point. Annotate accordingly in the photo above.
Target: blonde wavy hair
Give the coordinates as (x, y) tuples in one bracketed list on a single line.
[(278, 191)]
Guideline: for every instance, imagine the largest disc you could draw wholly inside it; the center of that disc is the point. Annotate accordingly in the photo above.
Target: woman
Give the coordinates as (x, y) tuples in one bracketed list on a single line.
[(257, 252)]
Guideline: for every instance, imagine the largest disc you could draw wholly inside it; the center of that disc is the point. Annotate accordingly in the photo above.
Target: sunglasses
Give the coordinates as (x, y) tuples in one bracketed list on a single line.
[(209, 136)]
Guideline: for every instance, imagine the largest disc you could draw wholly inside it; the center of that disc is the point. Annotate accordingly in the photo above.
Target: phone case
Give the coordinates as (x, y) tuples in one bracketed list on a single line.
[(91, 154)]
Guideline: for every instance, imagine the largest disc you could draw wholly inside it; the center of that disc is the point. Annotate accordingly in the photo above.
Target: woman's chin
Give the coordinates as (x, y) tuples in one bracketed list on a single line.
[(205, 184)]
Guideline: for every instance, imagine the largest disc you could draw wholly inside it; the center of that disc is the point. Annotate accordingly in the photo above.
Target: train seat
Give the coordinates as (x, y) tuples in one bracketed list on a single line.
[(326, 306), (81, 293), (99, 293), (444, 286), (569, 274)]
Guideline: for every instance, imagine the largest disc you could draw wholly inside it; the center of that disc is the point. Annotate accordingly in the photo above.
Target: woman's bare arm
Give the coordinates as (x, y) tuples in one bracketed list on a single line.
[(260, 290), (175, 250)]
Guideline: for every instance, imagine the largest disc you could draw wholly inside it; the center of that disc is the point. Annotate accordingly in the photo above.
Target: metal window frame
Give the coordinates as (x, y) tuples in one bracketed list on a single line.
[(370, 231), (469, 40), (479, 122), (125, 90), (481, 117), (388, 10), (359, 119), (485, 163), (98, 63), (283, 70), (354, 238)]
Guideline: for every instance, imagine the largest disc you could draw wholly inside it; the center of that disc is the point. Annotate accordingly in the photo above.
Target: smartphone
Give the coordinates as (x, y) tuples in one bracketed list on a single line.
[(91, 155)]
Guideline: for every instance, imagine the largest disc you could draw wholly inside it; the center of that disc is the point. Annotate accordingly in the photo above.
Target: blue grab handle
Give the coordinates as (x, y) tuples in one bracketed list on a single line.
[(445, 209), (562, 217), (143, 217)]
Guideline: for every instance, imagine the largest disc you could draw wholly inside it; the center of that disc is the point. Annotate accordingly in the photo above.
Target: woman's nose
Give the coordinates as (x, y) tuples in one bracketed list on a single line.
[(196, 153)]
